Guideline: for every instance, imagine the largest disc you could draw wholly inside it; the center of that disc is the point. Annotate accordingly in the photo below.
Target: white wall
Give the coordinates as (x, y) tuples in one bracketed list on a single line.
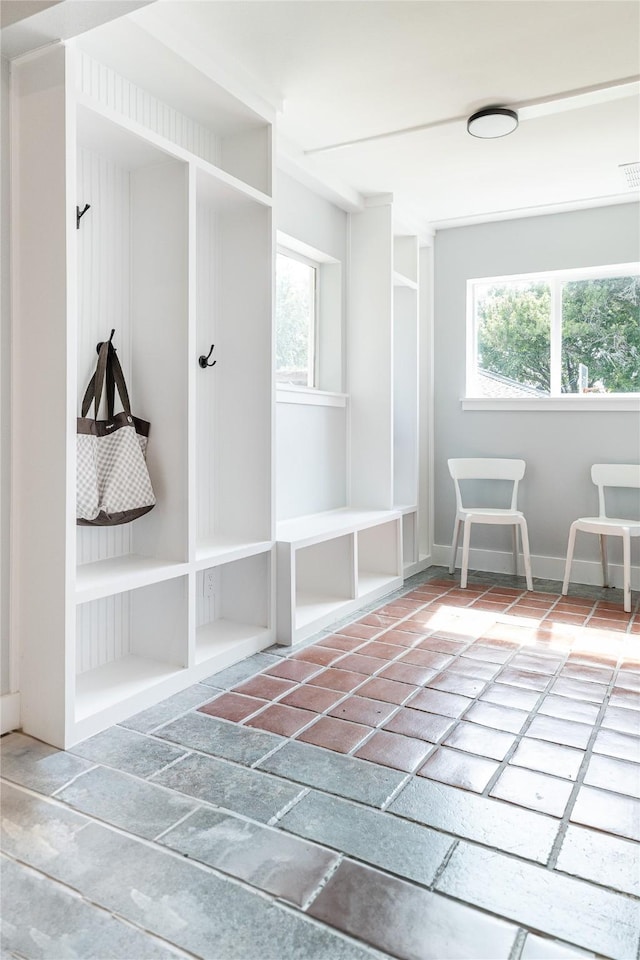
[(311, 441), (559, 447), (4, 382)]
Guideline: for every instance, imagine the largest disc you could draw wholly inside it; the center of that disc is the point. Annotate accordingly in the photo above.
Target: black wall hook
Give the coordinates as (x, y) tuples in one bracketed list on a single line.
[(80, 214), (203, 361)]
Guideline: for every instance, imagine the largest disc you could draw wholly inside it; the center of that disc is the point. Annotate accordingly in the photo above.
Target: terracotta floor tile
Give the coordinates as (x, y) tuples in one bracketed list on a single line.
[(609, 773), (265, 688), (497, 606), (487, 653), (360, 663), (377, 620), (394, 750), (579, 603), (482, 741), (437, 701), (537, 791), (388, 690), (317, 699), (416, 723), (607, 624), (458, 769), (566, 709), (562, 616), (616, 744), (624, 698), (611, 611), (385, 651), (399, 638), (318, 654), (559, 731), (293, 670), (281, 719), (454, 683), (427, 658), (581, 671), (510, 592), (524, 678), (336, 642), (497, 716), (551, 758), (360, 630), (607, 811), (537, 663), (363, 710), (475, 669), (441, 644), (232, 706), (408, 673), (332, 679), (397, 611), (622, 719), (510, 696), (587, 690), (628, 680), (334, 734)]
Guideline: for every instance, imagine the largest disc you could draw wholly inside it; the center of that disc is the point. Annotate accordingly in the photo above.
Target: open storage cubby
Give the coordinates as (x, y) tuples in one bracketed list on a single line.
[(132, 276), (234, 606), (379, 564), (233, 397), (409, 539), (324, 579), (130, 647)]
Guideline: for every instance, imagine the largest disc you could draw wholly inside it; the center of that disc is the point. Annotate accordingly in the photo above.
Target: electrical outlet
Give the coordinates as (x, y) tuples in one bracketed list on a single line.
[(209, 583)]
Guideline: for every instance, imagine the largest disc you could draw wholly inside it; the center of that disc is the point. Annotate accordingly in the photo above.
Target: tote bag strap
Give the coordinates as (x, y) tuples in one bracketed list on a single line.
[(94, 389), (115, 375)]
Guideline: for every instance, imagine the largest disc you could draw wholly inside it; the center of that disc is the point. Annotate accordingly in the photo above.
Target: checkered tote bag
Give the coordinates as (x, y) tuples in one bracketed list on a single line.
[(112, 480)]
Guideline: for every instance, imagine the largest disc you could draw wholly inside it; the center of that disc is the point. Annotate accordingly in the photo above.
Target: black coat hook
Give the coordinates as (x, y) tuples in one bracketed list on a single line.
[(80, 214), (203, 361)]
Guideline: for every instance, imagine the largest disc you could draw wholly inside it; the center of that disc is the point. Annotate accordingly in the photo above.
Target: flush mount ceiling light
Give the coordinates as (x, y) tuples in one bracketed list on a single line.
[(492, 122)]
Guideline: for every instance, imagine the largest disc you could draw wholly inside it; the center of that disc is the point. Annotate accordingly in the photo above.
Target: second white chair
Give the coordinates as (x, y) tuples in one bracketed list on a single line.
[(478, 468)]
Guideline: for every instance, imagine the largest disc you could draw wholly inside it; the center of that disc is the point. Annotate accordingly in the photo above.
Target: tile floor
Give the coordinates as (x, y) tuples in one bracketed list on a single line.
[(454, 774)]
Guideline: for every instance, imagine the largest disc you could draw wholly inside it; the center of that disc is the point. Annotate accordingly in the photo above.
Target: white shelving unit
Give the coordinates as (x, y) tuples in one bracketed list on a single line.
[(175, 253), (331, 563)]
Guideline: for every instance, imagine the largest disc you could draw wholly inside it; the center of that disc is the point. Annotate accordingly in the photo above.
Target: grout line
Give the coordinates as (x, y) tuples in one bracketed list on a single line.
[(518, 944), (182, 819), (323, 882), (443, 866), (76, 777)]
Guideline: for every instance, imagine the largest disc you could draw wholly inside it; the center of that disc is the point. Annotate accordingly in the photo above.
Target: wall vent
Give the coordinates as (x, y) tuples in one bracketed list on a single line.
[(631, 173)]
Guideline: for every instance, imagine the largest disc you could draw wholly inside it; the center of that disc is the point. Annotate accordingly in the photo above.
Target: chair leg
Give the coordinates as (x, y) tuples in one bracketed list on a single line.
[(603, 558), (514, 530), (526, 556), (567, 566), (454, 548), (465, 553), (626, 570)]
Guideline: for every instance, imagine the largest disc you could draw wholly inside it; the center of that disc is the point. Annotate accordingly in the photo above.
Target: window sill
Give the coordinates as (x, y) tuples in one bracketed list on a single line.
[(286, 393), (629, 403)]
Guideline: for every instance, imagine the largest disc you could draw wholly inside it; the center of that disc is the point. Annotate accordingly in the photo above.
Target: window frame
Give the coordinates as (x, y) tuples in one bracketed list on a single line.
[(556, 400), (312, 336)]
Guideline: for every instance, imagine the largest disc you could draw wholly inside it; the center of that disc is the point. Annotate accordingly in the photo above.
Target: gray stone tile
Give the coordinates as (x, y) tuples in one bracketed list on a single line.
[(169, 709), (186, 904), (407, 849), (61, 925), (220, 738), (37, 765), (230, 676), (572, 910), (284, 866), (128, 751), (124, 801), (486, 821), (609, 861), (541, 948), (407, 921), (36, 830), (334, 773), (248, 792)]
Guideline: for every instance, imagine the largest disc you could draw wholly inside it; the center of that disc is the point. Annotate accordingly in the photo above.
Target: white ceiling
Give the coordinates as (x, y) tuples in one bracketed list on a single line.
[(341, 71), (362, 70)]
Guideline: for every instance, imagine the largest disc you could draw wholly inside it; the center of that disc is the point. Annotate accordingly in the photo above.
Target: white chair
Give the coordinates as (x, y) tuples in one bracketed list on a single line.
[(488, 469), (609, 475)]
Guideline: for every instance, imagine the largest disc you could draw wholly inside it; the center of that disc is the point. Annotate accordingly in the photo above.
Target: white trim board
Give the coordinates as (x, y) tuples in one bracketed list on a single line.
[(9, 712), (548, 568)]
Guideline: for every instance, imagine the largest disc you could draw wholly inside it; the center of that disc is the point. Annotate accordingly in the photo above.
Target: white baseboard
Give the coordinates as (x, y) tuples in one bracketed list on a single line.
[(546, 568), (9, 712)]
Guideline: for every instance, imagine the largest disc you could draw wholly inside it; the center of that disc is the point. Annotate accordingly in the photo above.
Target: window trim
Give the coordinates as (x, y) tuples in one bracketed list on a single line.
[(312, 362), (556, 400)]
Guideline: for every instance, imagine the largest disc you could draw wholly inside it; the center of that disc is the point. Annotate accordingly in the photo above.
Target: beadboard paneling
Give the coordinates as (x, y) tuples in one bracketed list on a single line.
[(102, 632)]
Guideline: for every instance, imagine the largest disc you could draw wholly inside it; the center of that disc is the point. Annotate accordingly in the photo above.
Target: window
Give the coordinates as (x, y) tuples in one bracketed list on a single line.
[(296, 308), (568, 332)]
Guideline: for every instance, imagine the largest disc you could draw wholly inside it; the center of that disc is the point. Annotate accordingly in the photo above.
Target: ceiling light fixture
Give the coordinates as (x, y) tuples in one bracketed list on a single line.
[(492, 122)]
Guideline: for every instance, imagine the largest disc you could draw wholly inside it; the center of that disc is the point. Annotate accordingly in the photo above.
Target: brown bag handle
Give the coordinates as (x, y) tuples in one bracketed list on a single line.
[(108, 367)]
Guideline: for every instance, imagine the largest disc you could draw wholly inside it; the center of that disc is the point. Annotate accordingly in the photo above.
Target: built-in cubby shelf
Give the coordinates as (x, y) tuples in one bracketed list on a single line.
[(330, 563)]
